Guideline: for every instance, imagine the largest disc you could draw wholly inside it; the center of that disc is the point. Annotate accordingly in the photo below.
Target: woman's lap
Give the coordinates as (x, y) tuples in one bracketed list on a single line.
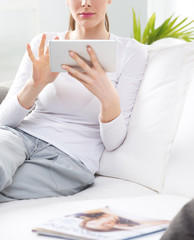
[(45, 172)]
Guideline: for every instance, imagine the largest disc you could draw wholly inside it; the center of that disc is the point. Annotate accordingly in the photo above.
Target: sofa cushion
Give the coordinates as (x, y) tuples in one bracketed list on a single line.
[(143, 156), (24, 215), (180, 170), (3, 93)]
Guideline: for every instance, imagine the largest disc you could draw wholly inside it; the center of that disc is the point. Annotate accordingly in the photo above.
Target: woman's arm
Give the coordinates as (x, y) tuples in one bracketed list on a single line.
[(110, 106), (11, 112), (132, 67), (28, 94), (32, 77), (98, 83), (116, 104)]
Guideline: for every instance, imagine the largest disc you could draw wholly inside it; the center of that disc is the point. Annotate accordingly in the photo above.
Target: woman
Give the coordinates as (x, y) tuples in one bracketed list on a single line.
[(54, 127)]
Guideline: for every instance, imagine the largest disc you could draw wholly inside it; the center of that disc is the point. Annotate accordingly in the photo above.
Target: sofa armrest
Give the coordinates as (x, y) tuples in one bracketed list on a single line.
[(3, 93)]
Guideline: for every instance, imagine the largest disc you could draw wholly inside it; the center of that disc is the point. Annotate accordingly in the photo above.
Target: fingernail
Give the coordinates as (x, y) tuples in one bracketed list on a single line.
[(71, 53), (89, 49), (64, 67)]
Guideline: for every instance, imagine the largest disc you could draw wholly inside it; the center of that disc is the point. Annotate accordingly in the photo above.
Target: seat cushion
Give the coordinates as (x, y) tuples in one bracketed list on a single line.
[(24, 215), (103, 187)]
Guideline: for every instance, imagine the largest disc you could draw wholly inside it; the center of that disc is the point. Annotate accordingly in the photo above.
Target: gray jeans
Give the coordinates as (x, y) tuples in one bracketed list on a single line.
[(31, 168)]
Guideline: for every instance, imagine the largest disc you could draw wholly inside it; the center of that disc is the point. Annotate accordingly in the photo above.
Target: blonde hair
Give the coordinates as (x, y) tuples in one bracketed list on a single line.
[(72, 23)]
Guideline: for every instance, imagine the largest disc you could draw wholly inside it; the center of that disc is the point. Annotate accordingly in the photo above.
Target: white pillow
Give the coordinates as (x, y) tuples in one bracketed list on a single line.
[(180, 170), (165, 43), (143, 156)]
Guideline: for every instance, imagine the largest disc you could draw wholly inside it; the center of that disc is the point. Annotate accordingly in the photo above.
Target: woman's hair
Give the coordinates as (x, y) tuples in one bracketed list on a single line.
[(72, 23)]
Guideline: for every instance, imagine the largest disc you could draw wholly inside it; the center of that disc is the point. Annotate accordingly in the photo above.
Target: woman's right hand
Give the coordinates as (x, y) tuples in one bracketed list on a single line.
[(42, 74)]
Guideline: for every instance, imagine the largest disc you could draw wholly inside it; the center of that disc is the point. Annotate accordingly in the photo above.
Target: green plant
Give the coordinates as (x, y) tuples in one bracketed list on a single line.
[(169, 28)]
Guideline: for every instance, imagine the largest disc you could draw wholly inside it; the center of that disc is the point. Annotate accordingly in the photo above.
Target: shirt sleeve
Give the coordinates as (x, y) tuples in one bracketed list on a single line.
[(11, 112), (132, 64)]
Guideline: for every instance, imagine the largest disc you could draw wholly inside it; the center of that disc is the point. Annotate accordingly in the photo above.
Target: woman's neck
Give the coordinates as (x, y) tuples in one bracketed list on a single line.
[(82, 33)]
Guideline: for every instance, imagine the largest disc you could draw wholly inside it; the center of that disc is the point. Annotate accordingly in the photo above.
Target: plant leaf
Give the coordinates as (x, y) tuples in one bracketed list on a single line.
[(149, 29), (169, 28), (136, 27)]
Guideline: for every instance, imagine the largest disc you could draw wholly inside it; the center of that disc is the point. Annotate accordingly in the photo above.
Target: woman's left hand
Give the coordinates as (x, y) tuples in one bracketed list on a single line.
[(93, 78)]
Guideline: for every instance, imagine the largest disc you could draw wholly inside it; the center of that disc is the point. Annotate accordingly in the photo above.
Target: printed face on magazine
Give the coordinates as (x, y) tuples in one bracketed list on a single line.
[(104, 223)]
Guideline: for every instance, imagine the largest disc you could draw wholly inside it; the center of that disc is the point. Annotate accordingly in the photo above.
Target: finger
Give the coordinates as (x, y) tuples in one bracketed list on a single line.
[(83, 82), (42, 44), (94, 58), (81, 63), (47, 49), (80, 80), (30, 53), (76, 74)]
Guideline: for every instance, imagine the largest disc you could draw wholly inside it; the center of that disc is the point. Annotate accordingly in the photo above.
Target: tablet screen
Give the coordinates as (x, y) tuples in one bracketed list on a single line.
[(106, 51)]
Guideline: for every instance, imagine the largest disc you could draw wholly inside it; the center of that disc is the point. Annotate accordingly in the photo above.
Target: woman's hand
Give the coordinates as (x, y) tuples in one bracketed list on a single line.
[(97, 82), (41, 69), (41, 75), (93, 78)]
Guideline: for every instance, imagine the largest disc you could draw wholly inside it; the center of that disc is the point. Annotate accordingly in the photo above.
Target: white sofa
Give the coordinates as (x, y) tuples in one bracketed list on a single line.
[(151, 174)]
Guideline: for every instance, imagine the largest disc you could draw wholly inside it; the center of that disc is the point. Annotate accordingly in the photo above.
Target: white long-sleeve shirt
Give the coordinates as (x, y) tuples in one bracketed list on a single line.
[(66, 113)]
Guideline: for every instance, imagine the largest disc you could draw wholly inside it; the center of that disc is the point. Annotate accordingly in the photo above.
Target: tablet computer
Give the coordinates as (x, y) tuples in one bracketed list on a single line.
[(106, 51)]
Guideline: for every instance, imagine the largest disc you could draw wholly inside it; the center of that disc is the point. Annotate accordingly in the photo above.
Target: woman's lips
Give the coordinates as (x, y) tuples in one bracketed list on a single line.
[(86, 15)]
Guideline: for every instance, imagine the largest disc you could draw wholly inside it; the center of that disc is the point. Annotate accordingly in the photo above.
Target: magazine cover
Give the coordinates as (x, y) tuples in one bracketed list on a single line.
[(104, 223)]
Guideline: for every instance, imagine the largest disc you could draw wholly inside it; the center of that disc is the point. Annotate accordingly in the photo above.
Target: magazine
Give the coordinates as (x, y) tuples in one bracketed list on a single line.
[(104, 223)]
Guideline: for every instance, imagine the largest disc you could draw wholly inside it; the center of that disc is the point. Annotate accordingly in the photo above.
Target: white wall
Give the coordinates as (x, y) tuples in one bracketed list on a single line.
[(185, 8), (121, 17), (54, 15), (165, 8), (162, 8), (18, 24)]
